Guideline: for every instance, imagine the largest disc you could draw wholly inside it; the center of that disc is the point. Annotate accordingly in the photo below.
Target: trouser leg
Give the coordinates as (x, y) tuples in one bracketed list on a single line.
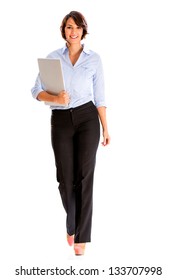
[(86, 143), (62, 133)]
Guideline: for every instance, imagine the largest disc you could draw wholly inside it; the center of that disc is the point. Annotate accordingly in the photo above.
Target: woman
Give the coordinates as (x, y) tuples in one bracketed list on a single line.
[(75, 126)]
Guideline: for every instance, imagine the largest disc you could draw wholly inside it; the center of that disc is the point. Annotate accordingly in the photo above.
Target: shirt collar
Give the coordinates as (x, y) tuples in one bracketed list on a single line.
[(85, 49)]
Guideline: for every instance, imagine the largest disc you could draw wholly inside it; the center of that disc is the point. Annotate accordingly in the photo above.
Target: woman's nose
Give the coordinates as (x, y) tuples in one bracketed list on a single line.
[(73, 31)]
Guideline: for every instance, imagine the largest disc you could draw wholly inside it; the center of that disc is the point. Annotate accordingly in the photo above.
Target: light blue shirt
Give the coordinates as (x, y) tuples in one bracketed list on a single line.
[(84, 81)]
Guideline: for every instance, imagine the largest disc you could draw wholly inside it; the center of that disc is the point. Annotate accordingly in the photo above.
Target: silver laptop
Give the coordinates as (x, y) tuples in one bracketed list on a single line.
[(51, 76)]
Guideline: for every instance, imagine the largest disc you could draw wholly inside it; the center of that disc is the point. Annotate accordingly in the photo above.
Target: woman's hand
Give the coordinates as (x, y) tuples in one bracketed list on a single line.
[(106, 138), (62, 98), (102, 116)]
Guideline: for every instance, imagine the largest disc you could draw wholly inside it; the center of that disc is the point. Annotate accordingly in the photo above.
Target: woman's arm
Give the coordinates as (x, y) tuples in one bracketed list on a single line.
[(61, 98), (38, 93), (102, 116)]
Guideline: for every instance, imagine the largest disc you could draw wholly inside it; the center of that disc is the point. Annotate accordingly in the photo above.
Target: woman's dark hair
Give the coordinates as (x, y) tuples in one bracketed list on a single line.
[(80, 21)]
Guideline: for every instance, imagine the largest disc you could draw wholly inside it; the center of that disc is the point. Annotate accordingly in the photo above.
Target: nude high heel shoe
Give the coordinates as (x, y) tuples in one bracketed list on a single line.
[(79, 249), (70, 239)]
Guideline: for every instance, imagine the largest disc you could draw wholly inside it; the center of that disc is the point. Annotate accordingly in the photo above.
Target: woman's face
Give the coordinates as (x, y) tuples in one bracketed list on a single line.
[(73, 33)]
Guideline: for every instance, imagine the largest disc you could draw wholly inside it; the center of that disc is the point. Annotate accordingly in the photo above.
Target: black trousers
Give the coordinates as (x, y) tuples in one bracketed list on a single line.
[(75, 135)]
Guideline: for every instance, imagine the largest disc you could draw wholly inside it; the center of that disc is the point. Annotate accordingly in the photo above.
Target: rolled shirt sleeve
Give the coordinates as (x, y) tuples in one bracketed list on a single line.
[(98, 86), (37, 88)]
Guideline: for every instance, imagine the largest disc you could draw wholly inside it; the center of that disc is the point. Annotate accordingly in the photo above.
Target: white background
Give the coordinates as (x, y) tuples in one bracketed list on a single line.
[(134, 198)]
